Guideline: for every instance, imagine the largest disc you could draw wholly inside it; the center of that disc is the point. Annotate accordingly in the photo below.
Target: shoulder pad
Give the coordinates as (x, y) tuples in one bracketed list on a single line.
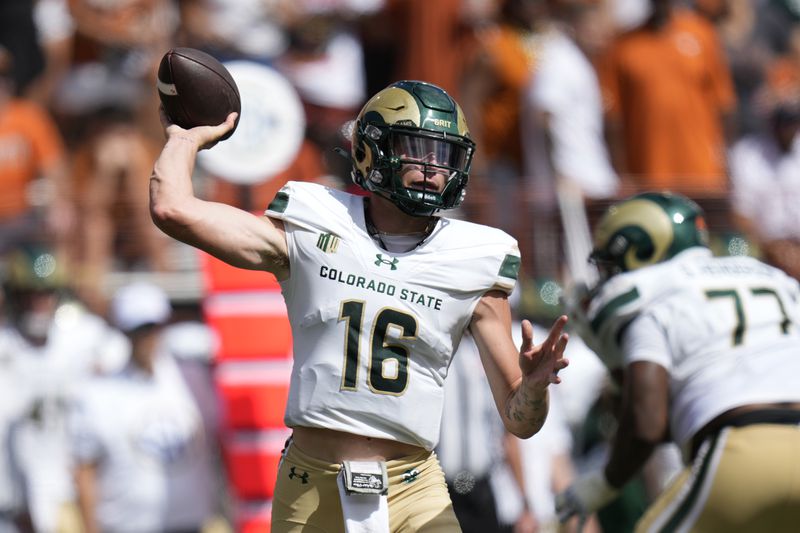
[(616, 303), (313, 206), (492, 257)]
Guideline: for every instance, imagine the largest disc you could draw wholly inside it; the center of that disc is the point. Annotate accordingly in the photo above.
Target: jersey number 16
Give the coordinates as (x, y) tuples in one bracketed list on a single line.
[(383, 355)]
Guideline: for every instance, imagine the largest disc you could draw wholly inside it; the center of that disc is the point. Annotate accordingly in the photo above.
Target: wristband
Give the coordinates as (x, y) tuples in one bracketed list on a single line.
[(593, 491)]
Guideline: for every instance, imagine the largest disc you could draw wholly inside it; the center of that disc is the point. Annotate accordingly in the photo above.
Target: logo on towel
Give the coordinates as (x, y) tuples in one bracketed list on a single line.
[(366, 480)]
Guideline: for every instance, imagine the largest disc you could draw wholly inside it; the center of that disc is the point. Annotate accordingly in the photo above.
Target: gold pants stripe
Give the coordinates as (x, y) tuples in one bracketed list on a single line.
[(745, 479)]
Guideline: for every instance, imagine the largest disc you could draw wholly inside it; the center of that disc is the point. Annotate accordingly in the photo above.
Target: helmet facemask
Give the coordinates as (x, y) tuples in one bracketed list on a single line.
[(432, 152)]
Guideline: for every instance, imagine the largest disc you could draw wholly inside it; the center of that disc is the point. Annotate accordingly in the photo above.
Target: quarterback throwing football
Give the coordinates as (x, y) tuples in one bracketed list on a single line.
[(379, 290)]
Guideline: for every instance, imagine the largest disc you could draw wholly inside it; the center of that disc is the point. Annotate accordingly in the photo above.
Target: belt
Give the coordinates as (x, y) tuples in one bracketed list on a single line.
[(748, 418)]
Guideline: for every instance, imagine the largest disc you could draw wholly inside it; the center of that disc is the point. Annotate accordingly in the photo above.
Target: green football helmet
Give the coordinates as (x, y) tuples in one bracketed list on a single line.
[(412, 122), (33, 268), (33, 281), (646, 229)]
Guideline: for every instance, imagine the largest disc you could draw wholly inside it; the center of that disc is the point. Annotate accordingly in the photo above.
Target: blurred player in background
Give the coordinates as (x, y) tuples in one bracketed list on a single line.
[(139, 447), (706, 348), (49, 346), (379, 291)]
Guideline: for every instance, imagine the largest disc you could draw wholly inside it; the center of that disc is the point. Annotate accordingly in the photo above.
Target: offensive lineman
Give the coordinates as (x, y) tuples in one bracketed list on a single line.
[(709, 352), (379, 291)]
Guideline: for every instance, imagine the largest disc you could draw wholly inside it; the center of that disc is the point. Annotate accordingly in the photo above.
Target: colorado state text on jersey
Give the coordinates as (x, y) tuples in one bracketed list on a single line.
[(381, 287)]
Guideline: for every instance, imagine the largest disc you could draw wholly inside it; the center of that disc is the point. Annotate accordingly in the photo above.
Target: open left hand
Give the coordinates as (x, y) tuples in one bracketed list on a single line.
[(541, 363)]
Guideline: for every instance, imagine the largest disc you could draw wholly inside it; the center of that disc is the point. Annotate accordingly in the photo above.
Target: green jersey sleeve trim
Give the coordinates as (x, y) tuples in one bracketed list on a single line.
[(612, 306), (279, 203), (510, 267)]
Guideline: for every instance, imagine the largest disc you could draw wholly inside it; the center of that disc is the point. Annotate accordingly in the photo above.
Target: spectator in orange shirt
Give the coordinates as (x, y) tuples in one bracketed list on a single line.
[(668, 93), (494, 80), (31, 150)]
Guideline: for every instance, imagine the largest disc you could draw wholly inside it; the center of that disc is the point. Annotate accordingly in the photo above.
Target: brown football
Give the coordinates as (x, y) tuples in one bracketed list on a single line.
[(196, 89)]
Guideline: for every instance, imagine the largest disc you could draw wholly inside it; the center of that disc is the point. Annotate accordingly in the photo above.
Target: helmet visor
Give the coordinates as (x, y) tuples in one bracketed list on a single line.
[(432, 151)]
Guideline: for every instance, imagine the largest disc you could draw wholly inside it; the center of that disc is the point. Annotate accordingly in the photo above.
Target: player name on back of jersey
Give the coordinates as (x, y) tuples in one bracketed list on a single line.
[(738, 267), (381, 287)]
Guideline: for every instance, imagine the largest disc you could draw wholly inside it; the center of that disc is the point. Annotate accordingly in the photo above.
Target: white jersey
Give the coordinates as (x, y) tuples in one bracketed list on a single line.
[(146, 435), (727, 329), (374, 331), (37, 385)]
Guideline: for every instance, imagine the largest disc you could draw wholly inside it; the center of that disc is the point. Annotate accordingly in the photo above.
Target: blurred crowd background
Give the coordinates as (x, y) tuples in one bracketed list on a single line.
[(572, 103)]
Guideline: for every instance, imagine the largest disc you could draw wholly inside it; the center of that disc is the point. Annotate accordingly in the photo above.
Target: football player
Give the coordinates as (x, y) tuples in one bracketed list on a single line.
[(379, 290), (49, 345), (707, 350)]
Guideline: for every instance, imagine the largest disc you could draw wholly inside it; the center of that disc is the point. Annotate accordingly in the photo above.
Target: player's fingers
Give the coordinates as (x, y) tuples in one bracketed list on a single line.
[(222, 129), (561, 345), (557, 367), (210, 135), (162, 115), (215, 132), (527, 336), (166, 123), (555, 331)]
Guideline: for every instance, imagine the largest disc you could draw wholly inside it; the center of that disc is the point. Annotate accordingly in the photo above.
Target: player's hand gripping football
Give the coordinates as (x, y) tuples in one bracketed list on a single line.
[(204, 137), (541, 363)]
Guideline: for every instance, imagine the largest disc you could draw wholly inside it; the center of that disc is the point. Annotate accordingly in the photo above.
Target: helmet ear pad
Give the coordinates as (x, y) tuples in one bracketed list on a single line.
[(359, 156), (369, 170)]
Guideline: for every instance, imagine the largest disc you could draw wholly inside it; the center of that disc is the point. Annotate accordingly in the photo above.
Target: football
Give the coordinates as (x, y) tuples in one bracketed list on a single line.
[(196, 89)]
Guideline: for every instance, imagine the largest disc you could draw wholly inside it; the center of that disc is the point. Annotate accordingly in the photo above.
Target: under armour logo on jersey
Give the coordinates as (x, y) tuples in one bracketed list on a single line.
[(379, 260), (328, 243), (303, 477)]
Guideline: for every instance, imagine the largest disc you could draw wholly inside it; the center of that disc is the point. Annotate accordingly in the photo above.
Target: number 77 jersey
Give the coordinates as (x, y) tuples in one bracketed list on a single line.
[(374, 331), (727, 330)]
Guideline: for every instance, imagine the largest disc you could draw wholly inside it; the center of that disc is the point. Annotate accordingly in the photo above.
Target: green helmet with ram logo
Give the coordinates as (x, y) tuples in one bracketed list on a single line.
[(646, 229), (412, 122)]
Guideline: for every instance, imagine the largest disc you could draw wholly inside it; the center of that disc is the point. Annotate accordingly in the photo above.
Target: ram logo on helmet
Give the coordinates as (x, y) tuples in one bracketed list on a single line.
[(647, 229)]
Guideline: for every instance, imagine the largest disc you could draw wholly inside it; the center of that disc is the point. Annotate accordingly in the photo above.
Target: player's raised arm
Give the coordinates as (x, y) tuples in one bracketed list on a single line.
[(231, 234), (518, 377)]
